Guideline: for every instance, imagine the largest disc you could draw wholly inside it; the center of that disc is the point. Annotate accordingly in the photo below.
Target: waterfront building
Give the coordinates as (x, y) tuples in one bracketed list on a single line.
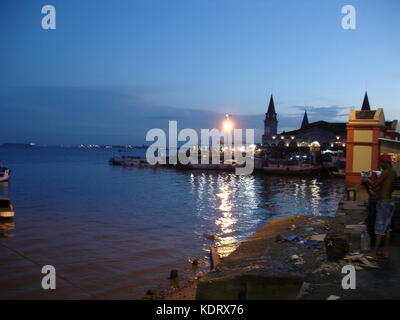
[(320, 134)]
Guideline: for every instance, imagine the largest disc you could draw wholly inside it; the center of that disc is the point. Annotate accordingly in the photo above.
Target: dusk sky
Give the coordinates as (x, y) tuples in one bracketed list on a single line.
[(114, 69)]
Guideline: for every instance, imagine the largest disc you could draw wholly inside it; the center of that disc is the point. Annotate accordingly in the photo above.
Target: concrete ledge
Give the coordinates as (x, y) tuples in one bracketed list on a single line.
[(250, 285), (257, 269)]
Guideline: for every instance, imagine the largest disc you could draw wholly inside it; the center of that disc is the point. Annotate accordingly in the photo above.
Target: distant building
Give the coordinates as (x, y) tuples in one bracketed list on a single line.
[(315, 134)]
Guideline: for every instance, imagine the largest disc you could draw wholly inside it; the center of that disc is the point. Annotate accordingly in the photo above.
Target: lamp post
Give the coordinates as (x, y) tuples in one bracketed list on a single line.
[(227, 128)]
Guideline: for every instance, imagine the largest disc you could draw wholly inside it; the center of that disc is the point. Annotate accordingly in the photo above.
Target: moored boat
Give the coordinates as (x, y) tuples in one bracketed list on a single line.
[(4, 173), (6, 208)]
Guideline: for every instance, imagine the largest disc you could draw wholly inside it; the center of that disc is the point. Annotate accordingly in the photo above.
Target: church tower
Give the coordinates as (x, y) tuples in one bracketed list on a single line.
[(270, 122), (304, 124)]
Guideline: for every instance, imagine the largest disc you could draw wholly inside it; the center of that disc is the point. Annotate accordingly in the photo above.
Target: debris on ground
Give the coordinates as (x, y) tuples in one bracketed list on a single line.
[(318, 237), (333, 297), (361, 261), (356, 227), (295, 238), (297, 260)]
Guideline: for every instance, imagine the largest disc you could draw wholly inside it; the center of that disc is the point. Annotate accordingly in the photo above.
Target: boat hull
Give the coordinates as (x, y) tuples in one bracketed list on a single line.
[(6, 214), (4, 175)]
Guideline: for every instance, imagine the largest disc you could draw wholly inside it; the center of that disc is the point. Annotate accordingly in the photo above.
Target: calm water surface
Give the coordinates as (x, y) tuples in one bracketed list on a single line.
[(114, 232)]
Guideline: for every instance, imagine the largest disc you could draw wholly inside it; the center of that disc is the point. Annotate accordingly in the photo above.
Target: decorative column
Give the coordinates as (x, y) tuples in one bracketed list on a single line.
[(364, 129)]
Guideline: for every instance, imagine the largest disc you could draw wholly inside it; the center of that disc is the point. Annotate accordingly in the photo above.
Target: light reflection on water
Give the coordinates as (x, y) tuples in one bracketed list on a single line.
[(119, 231), (236, 206)]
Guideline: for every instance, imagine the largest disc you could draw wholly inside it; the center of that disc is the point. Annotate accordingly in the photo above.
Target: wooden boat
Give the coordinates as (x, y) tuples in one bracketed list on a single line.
[(4, 173), (293, 170), (6, 208)]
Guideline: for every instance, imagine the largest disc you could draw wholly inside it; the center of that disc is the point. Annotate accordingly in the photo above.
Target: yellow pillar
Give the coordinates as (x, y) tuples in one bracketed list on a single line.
[(364, 129)]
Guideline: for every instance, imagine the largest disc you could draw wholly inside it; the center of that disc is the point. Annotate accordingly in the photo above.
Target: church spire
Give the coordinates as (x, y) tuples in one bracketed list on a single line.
[(271, 107), (270, 123), (305, 120), (365, 105)]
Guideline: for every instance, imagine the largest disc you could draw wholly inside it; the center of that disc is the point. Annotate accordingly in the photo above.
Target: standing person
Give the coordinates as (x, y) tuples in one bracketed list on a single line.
[(385, 207)]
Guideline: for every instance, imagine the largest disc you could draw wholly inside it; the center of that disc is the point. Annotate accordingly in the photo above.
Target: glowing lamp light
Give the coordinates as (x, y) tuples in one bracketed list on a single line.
[(227, 125)]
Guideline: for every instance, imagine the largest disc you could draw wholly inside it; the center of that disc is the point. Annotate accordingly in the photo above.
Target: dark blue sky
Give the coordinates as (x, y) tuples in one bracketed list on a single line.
[(114, 69)]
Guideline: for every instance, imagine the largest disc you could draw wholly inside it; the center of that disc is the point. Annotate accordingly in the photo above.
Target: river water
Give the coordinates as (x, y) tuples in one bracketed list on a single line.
[(114, 232)]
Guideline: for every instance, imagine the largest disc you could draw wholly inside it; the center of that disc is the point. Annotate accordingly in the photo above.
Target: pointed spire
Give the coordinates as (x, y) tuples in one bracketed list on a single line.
[(271, 106), (365, 105), (305, 120)]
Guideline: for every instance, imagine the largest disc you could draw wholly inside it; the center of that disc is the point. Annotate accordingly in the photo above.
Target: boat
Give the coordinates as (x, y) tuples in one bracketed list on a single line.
[(6, 208), (292, 170), (4, 173)]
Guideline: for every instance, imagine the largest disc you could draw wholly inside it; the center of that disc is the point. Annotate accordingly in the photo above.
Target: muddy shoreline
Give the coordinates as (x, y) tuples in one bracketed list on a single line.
[(269, 253)]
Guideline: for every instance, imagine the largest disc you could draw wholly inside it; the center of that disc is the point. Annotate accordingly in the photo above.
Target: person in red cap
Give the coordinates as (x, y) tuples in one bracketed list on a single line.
[(385, 207)]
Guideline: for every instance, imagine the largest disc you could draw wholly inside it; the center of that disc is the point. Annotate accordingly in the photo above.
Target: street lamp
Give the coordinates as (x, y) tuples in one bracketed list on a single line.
[(227, 124)]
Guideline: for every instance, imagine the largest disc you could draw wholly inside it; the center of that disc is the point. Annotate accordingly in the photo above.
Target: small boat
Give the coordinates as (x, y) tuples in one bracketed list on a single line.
[(4, 173), (6, 208)]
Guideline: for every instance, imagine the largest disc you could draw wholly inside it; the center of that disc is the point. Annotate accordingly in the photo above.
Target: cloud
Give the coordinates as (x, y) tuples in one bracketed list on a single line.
[(331, 113), (118, 115), (60, 115)]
